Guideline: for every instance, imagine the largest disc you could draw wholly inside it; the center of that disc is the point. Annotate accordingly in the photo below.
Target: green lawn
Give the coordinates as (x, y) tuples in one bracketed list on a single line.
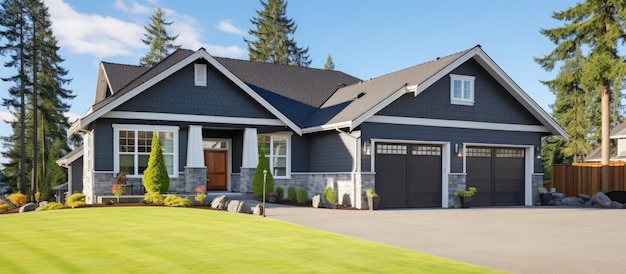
[(188, 240)]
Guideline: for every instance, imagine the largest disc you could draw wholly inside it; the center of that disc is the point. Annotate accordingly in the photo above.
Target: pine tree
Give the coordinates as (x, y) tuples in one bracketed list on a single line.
[(155, 178), (257, 178), (572, 107), (160, 42), (274, 37), (329, 63), (598, 27), (41, 81)]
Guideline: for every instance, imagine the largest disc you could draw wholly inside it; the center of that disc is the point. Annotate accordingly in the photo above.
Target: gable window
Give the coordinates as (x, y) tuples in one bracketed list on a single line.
[(461, 89), (200, 74), (277, 148), (133, 144)]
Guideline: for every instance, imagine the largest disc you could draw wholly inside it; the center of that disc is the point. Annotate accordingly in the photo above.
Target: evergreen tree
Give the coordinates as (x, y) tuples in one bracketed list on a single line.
[(572, 107), (329, 63), (257, 178), (598, 28), (155, 178), (160, 42), (41, 81), (274, 37)]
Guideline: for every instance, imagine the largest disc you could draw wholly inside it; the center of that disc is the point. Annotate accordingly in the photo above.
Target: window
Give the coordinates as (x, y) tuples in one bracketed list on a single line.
[(277, 152), (200, 74), (133, 144), (461, 90), (621, 147)]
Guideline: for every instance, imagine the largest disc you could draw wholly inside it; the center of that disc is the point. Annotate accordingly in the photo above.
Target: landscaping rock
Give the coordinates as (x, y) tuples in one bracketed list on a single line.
[(601, 199), (317, 201), (617, 205), (258, 210), (28, 207), (618, 196), (584, 197), (238, 207), (220, 202), (572, 201)]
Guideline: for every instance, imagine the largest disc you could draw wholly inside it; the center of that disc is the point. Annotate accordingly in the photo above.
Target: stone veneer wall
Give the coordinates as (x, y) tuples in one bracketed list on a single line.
[(456, 181), (103, 180), (194, 177)]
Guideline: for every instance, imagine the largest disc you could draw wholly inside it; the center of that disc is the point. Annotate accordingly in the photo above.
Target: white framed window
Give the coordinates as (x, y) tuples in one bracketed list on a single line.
[(621, 147), (199, 74), (277, 148), (132, 145), (462, 90)]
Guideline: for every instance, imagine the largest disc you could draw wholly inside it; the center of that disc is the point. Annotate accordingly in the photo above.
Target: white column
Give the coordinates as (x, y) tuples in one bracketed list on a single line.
[(250, 155), (195, 150)]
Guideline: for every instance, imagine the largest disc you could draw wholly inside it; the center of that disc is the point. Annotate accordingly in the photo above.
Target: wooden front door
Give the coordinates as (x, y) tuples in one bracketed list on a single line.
[(216, 169)]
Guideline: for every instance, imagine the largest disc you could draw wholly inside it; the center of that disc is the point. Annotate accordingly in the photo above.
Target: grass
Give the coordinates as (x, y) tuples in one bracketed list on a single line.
[(188, 240)]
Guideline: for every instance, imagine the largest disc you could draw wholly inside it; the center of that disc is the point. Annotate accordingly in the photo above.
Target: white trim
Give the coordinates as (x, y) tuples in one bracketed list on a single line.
[(454, 124), (462, 101), (229, 157), (152, 116), (378, 107), (287, 136), (327, 127), (529, 165), (153, 128), (201, 53), (200, 75), (445, 162), (323, 173)]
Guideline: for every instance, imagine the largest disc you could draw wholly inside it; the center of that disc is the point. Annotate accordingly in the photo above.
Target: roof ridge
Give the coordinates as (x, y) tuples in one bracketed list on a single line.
[(153, 67), (280, 65), (435, 60)]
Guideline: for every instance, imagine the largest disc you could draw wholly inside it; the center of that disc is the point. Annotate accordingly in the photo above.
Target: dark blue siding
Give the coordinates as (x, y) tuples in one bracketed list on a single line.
[(300, 156), (492, 104), (103, 145), (178, 94), (329, 152), (77, 175), (452, 135)]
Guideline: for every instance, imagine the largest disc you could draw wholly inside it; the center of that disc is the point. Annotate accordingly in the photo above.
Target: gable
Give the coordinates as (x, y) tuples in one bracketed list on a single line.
[(178, 94), (493, 103)]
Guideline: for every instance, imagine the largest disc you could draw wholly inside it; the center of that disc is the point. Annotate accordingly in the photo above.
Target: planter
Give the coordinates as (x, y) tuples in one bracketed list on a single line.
[(373, 202), (272, 199), (465, 201), (545, 198)]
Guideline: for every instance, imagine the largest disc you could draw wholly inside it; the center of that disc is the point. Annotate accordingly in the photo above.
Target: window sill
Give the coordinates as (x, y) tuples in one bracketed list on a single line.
[(462, 102)]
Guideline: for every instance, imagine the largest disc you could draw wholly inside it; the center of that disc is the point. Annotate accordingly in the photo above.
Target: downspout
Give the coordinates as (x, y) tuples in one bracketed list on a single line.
[(356, 163)]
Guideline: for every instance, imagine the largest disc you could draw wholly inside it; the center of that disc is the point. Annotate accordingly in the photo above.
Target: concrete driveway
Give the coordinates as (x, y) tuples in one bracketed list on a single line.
[(512, 239)]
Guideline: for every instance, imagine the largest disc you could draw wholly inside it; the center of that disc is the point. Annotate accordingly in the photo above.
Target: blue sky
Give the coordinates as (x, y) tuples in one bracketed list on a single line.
[(366, 38)]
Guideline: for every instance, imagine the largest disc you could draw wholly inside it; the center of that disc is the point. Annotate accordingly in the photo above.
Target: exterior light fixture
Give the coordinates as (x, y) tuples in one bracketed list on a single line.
[(457, 150), (367, 148), (538, 152)]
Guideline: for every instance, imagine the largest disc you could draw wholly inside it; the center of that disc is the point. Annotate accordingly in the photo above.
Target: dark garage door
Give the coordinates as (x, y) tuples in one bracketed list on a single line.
[(498, 175), (408, 175)]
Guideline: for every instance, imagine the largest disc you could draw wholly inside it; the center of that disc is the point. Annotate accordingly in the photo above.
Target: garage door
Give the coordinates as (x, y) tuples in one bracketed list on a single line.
[(408, 175), (497, 173)]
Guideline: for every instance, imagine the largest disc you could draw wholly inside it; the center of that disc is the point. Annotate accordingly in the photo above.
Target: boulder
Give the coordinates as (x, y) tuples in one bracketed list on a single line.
[(616, 205), (572, 201), (602, 200), (43, 203), (28, 207), (584, 197), (317, 201), (220, 202), (238, 207), (258, 210), (618, 196)]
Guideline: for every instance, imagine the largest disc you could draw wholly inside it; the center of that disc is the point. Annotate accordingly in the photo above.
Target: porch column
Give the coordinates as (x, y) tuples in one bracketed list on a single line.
[(250, 159), (195, 170)]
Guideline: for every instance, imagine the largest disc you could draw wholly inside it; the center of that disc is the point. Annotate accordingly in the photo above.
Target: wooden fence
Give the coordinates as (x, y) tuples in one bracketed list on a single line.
[(585, 178)]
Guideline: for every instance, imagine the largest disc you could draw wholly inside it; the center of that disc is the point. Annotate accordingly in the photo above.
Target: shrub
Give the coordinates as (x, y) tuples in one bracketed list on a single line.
[(3, 206), (176, 201), (466, 193), (200, 197), (155, 177), (329, 195), (280, 193), (51, 206), (302, 196), (257, 178), (153, 198), (291, 193), (370, 193), (76, 200), (17, 199)]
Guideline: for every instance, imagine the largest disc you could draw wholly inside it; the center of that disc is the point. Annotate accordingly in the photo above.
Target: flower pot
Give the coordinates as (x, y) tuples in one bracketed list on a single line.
[(373, 202), (545, 198), (272, 199), (465, 201)]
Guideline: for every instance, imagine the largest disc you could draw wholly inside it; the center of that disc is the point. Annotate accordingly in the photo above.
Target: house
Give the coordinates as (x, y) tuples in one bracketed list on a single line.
[(415, 135), (618, 154)]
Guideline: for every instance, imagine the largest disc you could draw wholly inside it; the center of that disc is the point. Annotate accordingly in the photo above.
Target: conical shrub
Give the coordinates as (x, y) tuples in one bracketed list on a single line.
[(155, 177)]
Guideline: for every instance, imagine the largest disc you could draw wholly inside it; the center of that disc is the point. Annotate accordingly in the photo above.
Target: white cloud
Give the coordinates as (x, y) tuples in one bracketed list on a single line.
[(100, 36), (6, 116), (72, 117), (134, 7), (228, 27)]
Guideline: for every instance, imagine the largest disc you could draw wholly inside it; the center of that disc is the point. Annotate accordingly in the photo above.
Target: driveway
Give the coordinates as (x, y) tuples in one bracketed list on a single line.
[(513, 239)]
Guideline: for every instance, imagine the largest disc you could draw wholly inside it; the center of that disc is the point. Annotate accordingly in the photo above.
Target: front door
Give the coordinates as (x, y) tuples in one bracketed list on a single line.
[(217, 169)]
